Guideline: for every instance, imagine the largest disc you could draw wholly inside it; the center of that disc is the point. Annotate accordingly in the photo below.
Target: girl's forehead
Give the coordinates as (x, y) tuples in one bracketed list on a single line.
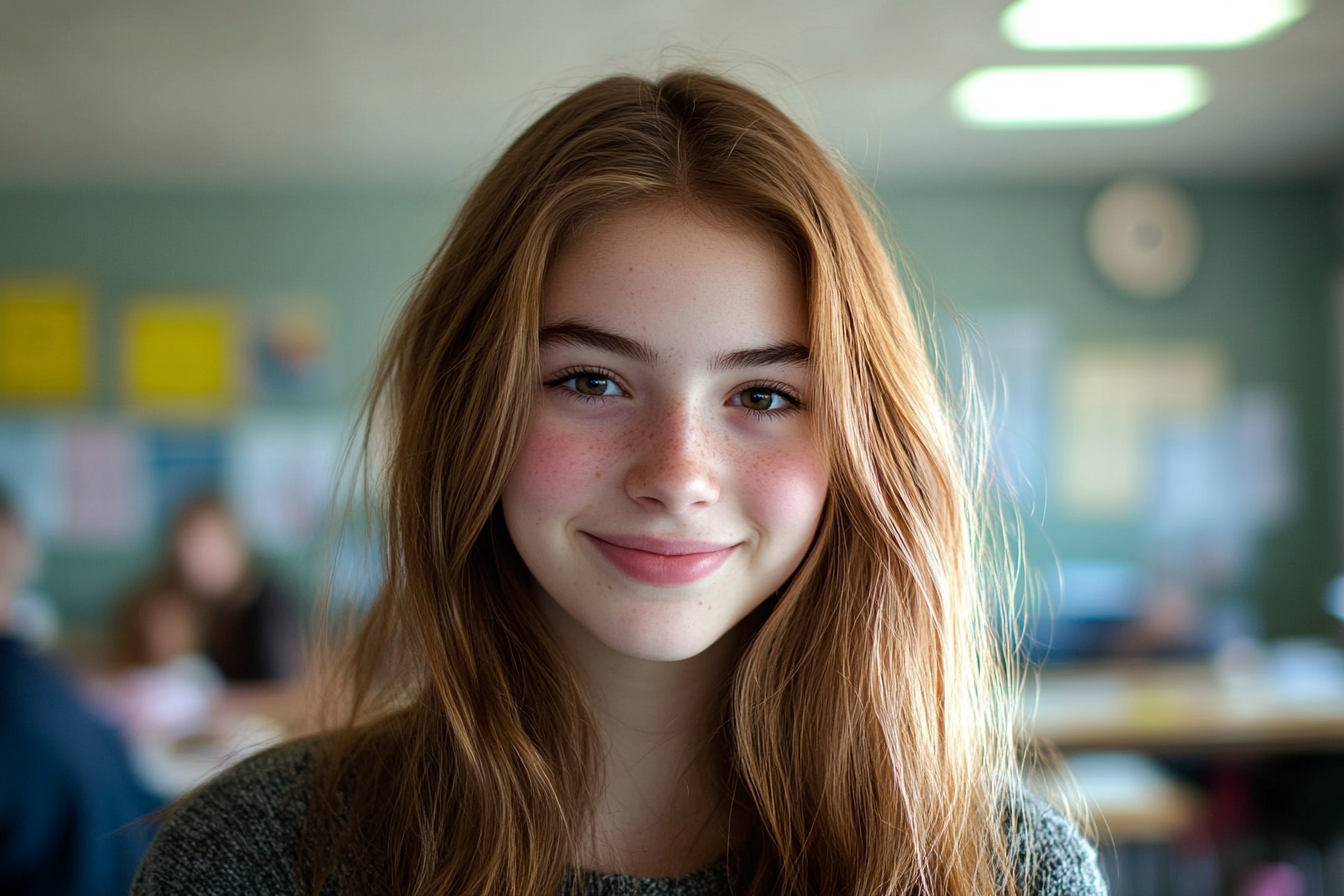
[(668, 269)]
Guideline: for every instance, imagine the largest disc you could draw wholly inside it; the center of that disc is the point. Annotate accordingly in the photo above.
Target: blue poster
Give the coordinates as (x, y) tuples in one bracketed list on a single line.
[(184, 463)]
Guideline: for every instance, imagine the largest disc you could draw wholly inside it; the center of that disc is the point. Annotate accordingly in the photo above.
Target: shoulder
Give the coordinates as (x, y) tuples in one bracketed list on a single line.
[(48, 723), (26, 679), (239, 833), (1051, 855)]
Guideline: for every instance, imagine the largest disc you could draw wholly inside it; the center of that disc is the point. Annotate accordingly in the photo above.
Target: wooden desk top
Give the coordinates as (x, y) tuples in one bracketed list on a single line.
[(1178, 708)]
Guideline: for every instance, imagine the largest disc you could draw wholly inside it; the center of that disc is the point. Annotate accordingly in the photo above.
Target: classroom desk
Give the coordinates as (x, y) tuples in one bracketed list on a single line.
[(1107, 718), (183, 732), (1171, 708)]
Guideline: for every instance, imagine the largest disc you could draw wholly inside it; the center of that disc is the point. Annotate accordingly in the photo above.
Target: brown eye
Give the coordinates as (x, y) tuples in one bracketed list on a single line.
[(591, 385), (757, 399)]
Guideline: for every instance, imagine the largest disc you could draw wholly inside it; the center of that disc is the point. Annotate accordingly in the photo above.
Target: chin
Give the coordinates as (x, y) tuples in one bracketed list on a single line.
[(669, 641), (665, 651)]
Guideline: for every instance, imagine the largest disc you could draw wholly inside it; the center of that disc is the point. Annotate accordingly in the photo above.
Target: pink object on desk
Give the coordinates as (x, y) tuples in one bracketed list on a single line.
[(1279, 879)]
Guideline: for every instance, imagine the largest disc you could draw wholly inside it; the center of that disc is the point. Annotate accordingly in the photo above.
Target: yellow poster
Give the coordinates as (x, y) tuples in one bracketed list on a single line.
[(180, 353), (46, 339)]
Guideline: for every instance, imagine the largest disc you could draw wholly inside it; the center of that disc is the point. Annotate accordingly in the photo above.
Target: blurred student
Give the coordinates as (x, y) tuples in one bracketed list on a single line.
[(31, 616), (71, 808), (162, 685), (155, 626), (251, 623)]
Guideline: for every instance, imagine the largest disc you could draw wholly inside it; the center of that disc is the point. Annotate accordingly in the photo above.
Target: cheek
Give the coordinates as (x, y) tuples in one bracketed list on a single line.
[(785, 490), (558, 470)]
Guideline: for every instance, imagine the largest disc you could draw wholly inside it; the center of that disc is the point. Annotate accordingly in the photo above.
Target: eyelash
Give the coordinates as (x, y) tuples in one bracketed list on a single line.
[(573, 373), (794, 402)]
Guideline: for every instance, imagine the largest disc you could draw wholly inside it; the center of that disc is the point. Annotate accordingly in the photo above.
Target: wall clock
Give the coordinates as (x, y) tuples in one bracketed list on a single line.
[(1143, 236)]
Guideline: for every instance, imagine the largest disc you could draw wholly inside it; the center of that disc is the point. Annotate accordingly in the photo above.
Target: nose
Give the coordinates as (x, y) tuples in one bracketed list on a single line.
[(673, 468)]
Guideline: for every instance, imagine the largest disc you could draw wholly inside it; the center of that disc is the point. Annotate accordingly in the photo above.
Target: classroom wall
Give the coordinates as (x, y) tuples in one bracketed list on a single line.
[(356, 250), (1262, 293)]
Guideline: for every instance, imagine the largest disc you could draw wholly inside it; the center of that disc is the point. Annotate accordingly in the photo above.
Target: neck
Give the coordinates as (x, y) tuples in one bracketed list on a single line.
[(660, 811)]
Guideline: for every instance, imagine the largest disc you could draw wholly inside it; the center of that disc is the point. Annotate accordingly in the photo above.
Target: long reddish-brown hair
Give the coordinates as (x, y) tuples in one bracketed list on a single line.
[(866, 728)]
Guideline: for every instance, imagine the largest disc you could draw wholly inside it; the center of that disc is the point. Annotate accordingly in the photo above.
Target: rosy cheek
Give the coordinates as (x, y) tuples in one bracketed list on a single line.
[(559, 467), (785, 489)]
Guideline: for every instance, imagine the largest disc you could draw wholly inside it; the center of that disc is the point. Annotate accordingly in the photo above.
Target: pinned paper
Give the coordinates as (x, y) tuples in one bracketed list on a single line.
[(184, 464), (104, 467), (291, 349), (282, 476), (46, 338), (1113, 394), (181, 353)]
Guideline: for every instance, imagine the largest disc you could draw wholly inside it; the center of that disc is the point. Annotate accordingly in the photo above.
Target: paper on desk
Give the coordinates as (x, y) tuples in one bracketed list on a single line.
[(1119, 780)]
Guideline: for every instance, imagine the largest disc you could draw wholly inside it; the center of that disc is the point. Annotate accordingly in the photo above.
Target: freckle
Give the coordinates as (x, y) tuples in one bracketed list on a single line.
[(699, 603)]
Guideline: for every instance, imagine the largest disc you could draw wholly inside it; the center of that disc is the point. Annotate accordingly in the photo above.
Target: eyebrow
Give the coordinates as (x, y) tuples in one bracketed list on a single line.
[(791, 353), (574, 333)]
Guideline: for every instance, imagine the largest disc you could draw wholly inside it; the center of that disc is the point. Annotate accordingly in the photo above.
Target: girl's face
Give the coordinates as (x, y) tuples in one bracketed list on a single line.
[(212, 557), (669, 481)]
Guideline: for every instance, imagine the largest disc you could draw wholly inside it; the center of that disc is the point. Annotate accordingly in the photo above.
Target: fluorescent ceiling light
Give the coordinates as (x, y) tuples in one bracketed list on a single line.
[(1079, 95), (1145, 24)]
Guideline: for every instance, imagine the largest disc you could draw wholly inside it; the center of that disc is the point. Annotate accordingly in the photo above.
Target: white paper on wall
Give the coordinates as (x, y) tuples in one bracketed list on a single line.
[(281, 478), (103, 466)]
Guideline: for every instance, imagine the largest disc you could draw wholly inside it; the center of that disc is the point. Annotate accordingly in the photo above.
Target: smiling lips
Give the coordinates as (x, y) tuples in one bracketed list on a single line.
[(656, 561)]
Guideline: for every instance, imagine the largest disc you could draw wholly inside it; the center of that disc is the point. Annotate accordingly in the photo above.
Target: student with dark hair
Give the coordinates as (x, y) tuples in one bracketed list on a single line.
[(72, 812), (251, 623), (686, 582)]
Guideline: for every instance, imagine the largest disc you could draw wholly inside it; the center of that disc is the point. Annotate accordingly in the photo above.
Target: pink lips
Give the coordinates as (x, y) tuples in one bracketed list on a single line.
[(658, 561)]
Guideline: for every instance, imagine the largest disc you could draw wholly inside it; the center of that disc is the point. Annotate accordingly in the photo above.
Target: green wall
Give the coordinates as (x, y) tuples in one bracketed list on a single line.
[(1262, 291), (358, 249)]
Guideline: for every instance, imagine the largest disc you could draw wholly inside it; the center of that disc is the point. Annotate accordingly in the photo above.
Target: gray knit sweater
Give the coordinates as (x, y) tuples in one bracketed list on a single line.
[(240, 834)]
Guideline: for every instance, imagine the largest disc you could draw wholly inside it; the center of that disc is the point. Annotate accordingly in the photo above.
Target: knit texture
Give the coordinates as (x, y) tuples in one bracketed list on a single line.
[(240, 833)]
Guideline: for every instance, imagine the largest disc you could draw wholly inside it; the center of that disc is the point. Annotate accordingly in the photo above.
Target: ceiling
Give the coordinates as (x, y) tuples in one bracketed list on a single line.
[(140, 92)]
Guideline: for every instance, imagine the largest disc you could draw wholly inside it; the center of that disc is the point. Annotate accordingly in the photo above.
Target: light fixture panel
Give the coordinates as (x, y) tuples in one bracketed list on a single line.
[(1079, 96), (1145, 24)]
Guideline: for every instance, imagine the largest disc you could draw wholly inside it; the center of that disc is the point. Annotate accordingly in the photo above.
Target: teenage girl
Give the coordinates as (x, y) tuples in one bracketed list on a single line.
[(685, 590)]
